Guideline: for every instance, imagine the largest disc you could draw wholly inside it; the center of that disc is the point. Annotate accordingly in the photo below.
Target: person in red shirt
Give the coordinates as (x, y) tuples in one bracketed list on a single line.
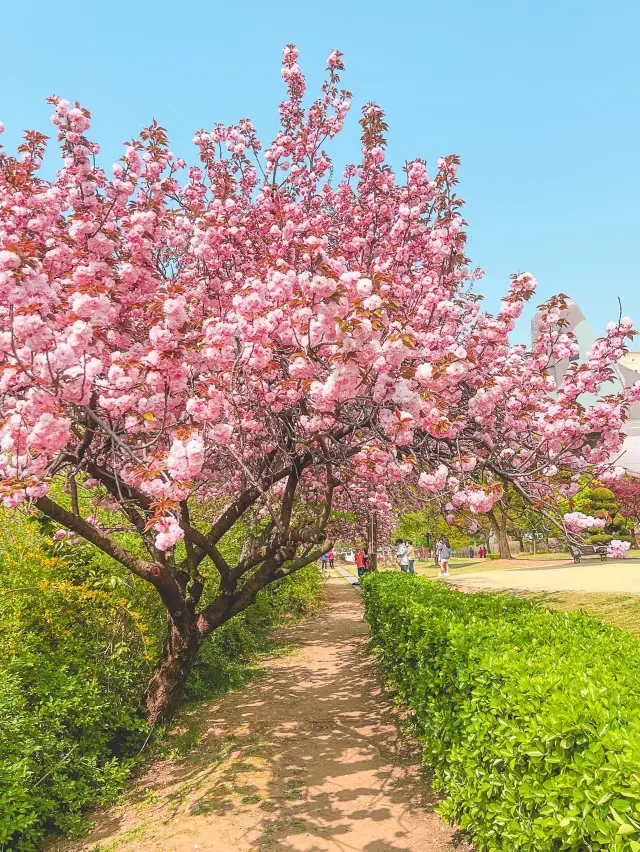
[(360, 561)]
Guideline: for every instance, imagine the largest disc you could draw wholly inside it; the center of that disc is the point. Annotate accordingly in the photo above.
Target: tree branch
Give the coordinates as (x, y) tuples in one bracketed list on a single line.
[(103, 542)]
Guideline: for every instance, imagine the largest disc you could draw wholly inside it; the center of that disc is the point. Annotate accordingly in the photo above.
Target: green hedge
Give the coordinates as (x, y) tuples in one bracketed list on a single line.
[(530, 719)]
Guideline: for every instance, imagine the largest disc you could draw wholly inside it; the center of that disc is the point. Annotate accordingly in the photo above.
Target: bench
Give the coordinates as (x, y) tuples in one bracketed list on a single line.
[(588, 550)]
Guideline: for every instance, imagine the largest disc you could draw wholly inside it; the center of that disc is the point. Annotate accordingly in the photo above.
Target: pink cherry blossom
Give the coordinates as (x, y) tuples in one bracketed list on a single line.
[(618, 549), (169, 533), (578, 522)]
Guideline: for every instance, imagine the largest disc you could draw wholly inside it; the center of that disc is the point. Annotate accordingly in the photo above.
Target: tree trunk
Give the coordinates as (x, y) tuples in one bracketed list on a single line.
[(502, 538), (166, 687), (373, 541)]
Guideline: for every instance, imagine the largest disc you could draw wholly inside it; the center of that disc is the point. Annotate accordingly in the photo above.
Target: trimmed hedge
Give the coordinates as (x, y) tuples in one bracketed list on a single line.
[(530, 719)]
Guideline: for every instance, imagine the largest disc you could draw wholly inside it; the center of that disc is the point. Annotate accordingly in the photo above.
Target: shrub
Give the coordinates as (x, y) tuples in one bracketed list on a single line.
[(530, 719), (493, 556), (71, 664)]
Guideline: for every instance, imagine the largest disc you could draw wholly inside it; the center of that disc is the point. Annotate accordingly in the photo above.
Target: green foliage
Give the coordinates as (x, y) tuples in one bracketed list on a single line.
[(530, 719), (71, 664), (601, 502), (424, 528), (493, 556), (80, 636)]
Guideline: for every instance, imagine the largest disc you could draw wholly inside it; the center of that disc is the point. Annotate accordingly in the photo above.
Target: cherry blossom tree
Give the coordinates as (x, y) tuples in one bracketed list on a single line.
[(250, 341), (627, 492)]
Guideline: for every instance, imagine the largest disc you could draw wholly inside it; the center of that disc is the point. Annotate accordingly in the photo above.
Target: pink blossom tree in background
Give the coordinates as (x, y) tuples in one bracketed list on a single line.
[(247, 341), (627, 493)]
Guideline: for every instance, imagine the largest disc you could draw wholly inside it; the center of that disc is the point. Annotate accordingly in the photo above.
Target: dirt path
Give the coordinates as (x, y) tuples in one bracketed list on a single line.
[(306, 758)]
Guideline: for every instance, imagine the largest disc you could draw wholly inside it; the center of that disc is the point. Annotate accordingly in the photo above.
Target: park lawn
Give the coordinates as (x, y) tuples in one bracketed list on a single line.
[(623, 611), (426, 568)]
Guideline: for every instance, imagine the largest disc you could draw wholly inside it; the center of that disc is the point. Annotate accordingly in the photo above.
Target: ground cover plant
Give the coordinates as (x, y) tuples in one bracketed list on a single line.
[(529, 718)]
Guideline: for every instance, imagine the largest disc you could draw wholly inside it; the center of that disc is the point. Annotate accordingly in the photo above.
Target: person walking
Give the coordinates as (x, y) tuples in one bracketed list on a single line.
[(402, 557), (445, 554), (411, 556), (332, 559), (471, 552), (325, 561)]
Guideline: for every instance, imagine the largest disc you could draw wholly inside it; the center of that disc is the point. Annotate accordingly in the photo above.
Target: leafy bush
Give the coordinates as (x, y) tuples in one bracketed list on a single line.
[(71, 664), (603, 538), (530, 719), (493, 556), (79, 638)]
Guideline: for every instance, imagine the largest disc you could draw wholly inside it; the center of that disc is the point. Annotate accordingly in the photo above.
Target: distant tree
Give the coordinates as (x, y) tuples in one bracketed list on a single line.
[(425, 527), (600, 502), (627, 492)]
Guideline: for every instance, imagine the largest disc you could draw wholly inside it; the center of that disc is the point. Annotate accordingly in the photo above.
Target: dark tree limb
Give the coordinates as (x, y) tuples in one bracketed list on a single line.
[(103, 542)]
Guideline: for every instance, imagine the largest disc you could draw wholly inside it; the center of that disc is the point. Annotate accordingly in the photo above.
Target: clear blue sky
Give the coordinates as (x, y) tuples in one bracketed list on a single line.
[(539, 97)]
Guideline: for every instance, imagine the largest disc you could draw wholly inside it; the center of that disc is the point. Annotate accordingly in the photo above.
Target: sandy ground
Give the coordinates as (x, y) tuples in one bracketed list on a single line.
[(307, 758), (589, 576)]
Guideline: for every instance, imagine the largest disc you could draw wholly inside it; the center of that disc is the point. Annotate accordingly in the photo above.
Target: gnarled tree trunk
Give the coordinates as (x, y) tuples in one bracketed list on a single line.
[(166, 687)]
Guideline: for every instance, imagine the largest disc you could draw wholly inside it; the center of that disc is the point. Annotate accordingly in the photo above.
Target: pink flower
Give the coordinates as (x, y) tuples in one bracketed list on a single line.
[(61, 535), (9, 260), (618, 549), (169, 532), (578, 522), (435, 481)]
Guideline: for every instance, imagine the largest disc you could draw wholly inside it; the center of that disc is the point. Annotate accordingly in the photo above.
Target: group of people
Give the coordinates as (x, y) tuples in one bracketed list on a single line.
[(405, 555), (482, 552), (328, 559)]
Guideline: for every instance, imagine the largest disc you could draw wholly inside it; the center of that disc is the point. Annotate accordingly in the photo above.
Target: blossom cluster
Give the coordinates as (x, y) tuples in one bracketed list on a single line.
[(618, 549)]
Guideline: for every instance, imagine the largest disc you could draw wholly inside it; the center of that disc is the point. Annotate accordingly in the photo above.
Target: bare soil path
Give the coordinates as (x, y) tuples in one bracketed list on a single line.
[(307, 758)]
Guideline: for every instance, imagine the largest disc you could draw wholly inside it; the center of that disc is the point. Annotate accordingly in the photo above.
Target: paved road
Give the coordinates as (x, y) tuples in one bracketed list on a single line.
[(589, 576)]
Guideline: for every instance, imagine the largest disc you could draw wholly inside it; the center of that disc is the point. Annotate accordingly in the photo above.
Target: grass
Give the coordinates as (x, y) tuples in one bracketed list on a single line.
[(461, 565), (623, 611)]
